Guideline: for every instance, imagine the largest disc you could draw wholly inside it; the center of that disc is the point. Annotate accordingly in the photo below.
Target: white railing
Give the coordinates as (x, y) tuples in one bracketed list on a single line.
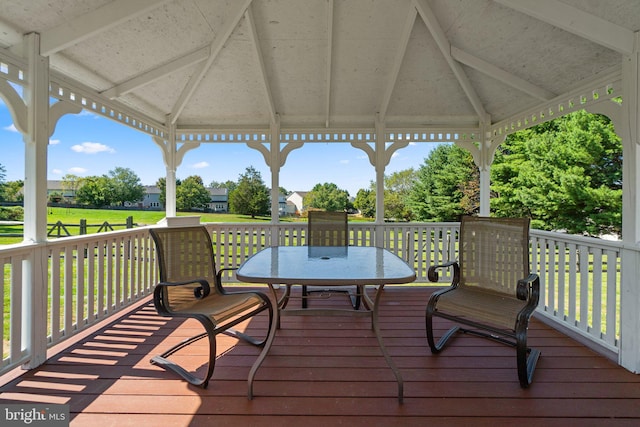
[(580, 285), (89, 278)]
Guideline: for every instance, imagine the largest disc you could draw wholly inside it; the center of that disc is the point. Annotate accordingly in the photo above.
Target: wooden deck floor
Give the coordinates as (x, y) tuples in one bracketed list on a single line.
[(327, 371)]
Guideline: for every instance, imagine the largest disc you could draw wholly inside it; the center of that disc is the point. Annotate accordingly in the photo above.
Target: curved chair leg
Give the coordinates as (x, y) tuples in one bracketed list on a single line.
[(189, 377), (527, 358), (436, 347)]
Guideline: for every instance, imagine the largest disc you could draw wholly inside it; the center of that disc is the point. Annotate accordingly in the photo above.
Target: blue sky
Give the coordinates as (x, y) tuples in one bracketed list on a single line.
[(86, 145)]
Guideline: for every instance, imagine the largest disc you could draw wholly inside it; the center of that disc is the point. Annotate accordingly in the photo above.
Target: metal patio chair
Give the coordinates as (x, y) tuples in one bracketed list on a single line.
[(492, 292), (190, 287), (329, 229)]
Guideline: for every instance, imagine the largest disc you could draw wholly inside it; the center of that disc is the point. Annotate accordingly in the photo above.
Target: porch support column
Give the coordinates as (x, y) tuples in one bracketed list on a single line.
[(629, 356), (275, 165), (379, 157), (34, 281), (275, 156), (488, 148), (380, 165), (36, 140), (172, 156), (483, 154)]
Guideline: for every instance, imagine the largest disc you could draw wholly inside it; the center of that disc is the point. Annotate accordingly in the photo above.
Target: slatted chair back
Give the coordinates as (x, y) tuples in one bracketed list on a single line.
[(327, 229), (494, 253), (185, 254)]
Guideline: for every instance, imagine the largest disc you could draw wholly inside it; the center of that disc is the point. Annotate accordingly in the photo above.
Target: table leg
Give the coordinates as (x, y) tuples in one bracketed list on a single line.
[(275, 323), (376, 330)]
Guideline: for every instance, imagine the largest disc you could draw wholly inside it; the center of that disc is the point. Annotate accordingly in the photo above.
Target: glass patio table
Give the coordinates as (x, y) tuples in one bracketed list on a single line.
[(326, 266)]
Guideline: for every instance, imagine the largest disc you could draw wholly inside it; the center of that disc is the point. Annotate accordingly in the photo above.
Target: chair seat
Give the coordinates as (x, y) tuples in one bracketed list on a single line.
[(224, 307), (481, 306)]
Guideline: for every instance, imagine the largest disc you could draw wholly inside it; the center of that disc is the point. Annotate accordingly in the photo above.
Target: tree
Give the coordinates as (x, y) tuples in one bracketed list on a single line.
[(251, 196), (13, 191), (327, 197), (439, 189), (365, 202), (397, 189), (2, 183), (126, 186), (71, 182), (96, 191), (229, 185), (191, 194), (565, 174)]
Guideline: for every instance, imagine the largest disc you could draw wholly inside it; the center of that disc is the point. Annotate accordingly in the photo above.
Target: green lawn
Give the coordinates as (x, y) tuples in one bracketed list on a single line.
[(97, 217)]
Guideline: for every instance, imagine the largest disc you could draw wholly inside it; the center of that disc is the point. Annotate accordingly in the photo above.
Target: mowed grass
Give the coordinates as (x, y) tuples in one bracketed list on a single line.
[(96, 218)]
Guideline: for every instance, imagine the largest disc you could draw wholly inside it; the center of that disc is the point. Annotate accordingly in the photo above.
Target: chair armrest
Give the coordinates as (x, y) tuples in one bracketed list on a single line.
[(528, 289), (219, 277), (198, 293), (433, 276)]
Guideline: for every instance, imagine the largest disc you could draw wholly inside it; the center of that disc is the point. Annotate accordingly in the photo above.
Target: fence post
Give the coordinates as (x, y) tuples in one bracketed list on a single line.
[(83, 226), (130, 222)]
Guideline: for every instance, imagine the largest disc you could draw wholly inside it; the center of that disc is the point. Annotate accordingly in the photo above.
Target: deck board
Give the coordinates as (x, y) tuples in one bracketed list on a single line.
[(329, 371)]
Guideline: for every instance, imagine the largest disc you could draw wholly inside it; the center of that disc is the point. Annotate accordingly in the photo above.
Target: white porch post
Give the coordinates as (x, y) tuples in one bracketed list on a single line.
[(379, 159), (34, 313), (172, 156), (629, 356), (36, 140), (487, 148), (483, 158), (274, 165), (275, 157)]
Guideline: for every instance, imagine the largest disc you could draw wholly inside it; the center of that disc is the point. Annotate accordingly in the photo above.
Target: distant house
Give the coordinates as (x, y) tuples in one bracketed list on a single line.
[(151, 198), (219, 200), (56, 188), (297, 200)]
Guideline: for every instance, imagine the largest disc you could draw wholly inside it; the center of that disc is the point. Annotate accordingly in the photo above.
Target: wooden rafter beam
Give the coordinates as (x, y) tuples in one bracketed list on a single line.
[(578, 22), (92, 23), (402, 49), (329, 70), (216, 46), (154, 74), (263, 70), (443, 44), (501, 75)]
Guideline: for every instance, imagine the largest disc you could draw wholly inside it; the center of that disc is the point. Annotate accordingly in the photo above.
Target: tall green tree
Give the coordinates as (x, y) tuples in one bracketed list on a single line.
[(126, 186), (3, 172), (229, 185), (365, 202), (71, 183), (397, 191), (96, 191), (13, 191), (565, 174), (251, 196), (327, 197), (191, 194), (439, 189)]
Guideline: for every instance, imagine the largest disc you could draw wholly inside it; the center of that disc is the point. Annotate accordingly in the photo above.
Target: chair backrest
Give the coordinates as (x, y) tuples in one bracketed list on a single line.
[(184, 253), (494, 252), (327, 229)]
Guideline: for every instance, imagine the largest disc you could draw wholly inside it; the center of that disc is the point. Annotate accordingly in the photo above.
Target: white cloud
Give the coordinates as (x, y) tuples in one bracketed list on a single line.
[(77, 170), (200, 165), (56, 172), (92, 148), (54, 141), (11, 128)]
